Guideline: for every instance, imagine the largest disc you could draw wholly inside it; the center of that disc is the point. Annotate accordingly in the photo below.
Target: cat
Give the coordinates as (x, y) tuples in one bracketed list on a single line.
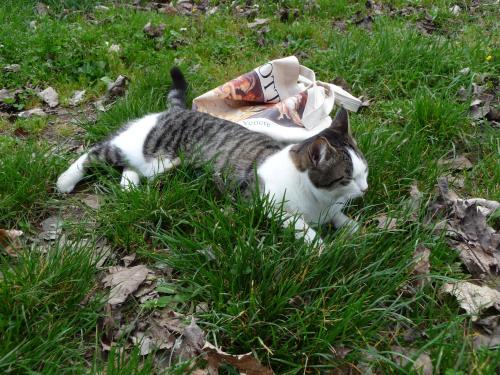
[(313, 179)]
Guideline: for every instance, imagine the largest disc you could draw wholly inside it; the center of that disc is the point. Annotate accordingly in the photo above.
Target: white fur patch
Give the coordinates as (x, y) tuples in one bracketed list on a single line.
[(67, 181), (131, 142), (359, 173)]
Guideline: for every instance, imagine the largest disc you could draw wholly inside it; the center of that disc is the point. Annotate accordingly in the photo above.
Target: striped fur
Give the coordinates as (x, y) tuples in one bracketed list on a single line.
[(313, 178)]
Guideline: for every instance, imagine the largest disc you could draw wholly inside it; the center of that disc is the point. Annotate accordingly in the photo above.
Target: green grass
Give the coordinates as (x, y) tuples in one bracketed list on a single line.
[(266, 291)]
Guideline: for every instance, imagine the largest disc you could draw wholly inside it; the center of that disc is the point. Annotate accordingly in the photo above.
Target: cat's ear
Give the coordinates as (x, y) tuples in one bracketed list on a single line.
[(341, 122), (319, 151), (309, 154)]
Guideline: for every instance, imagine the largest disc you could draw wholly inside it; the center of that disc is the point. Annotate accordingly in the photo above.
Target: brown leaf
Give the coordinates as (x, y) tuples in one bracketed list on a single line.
[(422, 266), (458, 164), (77, 98), (245, 363), (487, 341), (185, 7), (258, 22), (92, 200), (248, 11), (493, 114), (171, 320), (422, 364), (168, 9), (124, 281), (489, 333), (128, 259), (462, 94), (51, 228), (50, 97), (154, 31), (339, 81), (9, 241), (42, 9), (473, 298), (101, 252), (340, 351), (341, 26), (12, 68), (384, 222), (455, 10), (415, 201), (287, 14), (192, 341), (32, 113), (364, 22), (427, 25), (467, 229), (21, 133), (118, 87)]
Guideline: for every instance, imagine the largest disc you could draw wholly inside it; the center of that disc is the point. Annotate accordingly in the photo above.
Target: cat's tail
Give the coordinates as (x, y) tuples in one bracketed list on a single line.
[(177, 94), (104, 152)]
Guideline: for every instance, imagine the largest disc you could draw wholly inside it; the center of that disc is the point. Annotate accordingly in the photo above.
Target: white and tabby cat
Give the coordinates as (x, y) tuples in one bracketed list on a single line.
[(314, 179)]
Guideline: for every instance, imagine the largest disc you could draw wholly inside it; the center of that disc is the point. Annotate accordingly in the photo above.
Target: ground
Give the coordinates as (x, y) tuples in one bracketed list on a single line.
[(227, 262)]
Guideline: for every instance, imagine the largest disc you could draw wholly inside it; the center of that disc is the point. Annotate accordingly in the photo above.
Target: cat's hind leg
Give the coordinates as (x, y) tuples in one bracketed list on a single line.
[(67, 181), (130, 179)]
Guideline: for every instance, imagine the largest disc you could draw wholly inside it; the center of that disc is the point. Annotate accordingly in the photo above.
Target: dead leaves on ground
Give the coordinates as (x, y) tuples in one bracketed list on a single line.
[(123, 281), (473, 298), (467, 231), (168, 335), (9, 241)]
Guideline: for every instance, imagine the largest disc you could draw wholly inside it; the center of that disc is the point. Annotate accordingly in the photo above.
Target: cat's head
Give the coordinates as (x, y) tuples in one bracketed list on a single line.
[(333, 160)]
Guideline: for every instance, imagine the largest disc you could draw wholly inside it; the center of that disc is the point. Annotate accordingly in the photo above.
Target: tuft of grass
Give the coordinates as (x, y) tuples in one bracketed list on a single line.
[(266, 291), (45, 328), (27, 174)]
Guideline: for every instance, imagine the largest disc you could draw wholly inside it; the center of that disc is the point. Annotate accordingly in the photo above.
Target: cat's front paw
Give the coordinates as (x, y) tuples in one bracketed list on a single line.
[(351, 227), (65, 183)]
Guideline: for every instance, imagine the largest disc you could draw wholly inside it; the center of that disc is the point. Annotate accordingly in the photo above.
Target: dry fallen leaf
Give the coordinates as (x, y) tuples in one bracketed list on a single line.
[(427, 25), (77, 97), (168, 9), (50, 96), (42, 9), (124, 281), (114, 48), (422, 266), (364, 22), (6, 95), (101, 253), (128, 259), (171, 320), (245, 363), (32, 113), (421, 365), (153, 31), (455, 10), (9, 241), (473, 298), (464, 71), (467, 230), (247, 11), (51, 228), (12, 68), (118, 87), (192, 341), (91, 200), (415, 200), (258, 22), (458, 164), (489, 334), (384, 222)]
